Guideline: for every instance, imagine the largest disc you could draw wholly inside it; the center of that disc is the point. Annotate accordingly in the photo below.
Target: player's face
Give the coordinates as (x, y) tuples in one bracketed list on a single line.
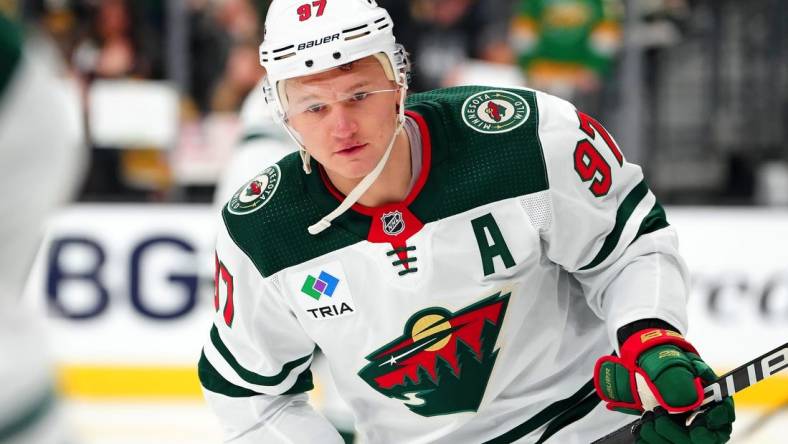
[(345, 117)]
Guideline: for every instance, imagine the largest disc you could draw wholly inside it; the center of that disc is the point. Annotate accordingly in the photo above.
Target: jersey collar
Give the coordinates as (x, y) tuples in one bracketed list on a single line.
[(426, 153), (359, 217)]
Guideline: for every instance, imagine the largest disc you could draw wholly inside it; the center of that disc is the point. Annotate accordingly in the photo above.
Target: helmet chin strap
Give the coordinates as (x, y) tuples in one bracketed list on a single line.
[(305, 160), (302, 152), (368, 180)]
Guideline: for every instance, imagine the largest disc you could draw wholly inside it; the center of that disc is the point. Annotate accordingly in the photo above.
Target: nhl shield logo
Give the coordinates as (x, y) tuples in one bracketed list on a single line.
[(255, 193), (393, 223), (495, 111)]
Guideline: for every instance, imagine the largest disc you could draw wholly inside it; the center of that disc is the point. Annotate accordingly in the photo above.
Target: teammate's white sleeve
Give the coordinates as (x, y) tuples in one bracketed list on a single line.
[(255, 364), (609, 231), (42, 158), (262, 144)]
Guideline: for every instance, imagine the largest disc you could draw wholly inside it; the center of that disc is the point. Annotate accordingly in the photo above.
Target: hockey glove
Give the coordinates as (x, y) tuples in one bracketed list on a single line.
[(661, 373)]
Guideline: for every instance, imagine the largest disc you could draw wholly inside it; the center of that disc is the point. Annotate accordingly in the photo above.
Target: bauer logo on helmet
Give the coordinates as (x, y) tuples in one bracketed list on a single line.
[(318, 42)]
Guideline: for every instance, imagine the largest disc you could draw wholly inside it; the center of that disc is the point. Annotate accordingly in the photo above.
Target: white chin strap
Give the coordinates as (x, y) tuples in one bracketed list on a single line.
[(368, 180)]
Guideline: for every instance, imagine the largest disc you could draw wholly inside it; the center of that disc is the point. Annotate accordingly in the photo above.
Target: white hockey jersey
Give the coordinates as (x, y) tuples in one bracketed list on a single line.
[(42, 156), (473, 311)]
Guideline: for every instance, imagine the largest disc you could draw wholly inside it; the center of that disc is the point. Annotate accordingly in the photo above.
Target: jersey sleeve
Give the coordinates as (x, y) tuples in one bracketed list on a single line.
[(254, 368), (606, 227)]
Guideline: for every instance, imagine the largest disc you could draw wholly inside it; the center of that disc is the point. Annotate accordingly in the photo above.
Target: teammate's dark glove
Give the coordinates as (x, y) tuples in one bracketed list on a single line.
[(660, 373)]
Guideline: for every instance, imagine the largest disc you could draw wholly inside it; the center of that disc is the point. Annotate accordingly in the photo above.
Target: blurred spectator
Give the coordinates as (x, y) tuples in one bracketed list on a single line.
[(707, 78), (224, 35), (208, 48), (124, 39), (566, 47), (442, 34), (118, 39), (118, 43), (224, 39), (239, 19), (241, 73)]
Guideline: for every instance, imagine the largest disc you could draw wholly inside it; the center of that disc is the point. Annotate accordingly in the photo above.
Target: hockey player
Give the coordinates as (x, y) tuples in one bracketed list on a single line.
[(42, 156), (462, 258)]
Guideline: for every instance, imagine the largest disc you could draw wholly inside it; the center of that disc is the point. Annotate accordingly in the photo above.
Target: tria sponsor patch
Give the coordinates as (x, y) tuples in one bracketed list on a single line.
[(324, 284), (323, 292)]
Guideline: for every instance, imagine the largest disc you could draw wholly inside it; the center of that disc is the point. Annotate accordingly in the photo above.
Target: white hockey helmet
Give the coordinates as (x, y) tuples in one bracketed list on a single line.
[(307, 37)]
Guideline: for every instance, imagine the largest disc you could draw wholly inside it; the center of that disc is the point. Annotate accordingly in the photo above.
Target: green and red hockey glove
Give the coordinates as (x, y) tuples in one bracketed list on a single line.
[(712, 425), (655, 369), (661, 373)]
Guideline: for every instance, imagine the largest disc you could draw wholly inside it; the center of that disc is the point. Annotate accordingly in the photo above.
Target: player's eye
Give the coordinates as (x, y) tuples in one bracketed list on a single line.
[(359, 96), (316, 108)]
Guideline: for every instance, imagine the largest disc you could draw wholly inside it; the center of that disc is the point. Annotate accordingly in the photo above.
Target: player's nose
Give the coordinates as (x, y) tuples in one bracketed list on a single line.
[(343, 123)]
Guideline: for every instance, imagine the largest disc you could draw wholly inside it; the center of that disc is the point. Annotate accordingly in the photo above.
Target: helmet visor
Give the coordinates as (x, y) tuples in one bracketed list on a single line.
[(358, 88), (313, 108)]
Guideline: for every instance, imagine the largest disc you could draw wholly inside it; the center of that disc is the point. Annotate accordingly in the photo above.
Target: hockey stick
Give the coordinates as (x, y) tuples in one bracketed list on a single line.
[(732, 382)]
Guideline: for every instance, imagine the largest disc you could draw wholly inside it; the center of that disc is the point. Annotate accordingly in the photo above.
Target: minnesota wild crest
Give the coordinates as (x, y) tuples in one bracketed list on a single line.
[(443, 361), (495, 111), (255, 193)]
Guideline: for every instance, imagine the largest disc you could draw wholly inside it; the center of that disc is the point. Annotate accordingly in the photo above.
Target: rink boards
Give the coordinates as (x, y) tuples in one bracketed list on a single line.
[(128, 293)]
